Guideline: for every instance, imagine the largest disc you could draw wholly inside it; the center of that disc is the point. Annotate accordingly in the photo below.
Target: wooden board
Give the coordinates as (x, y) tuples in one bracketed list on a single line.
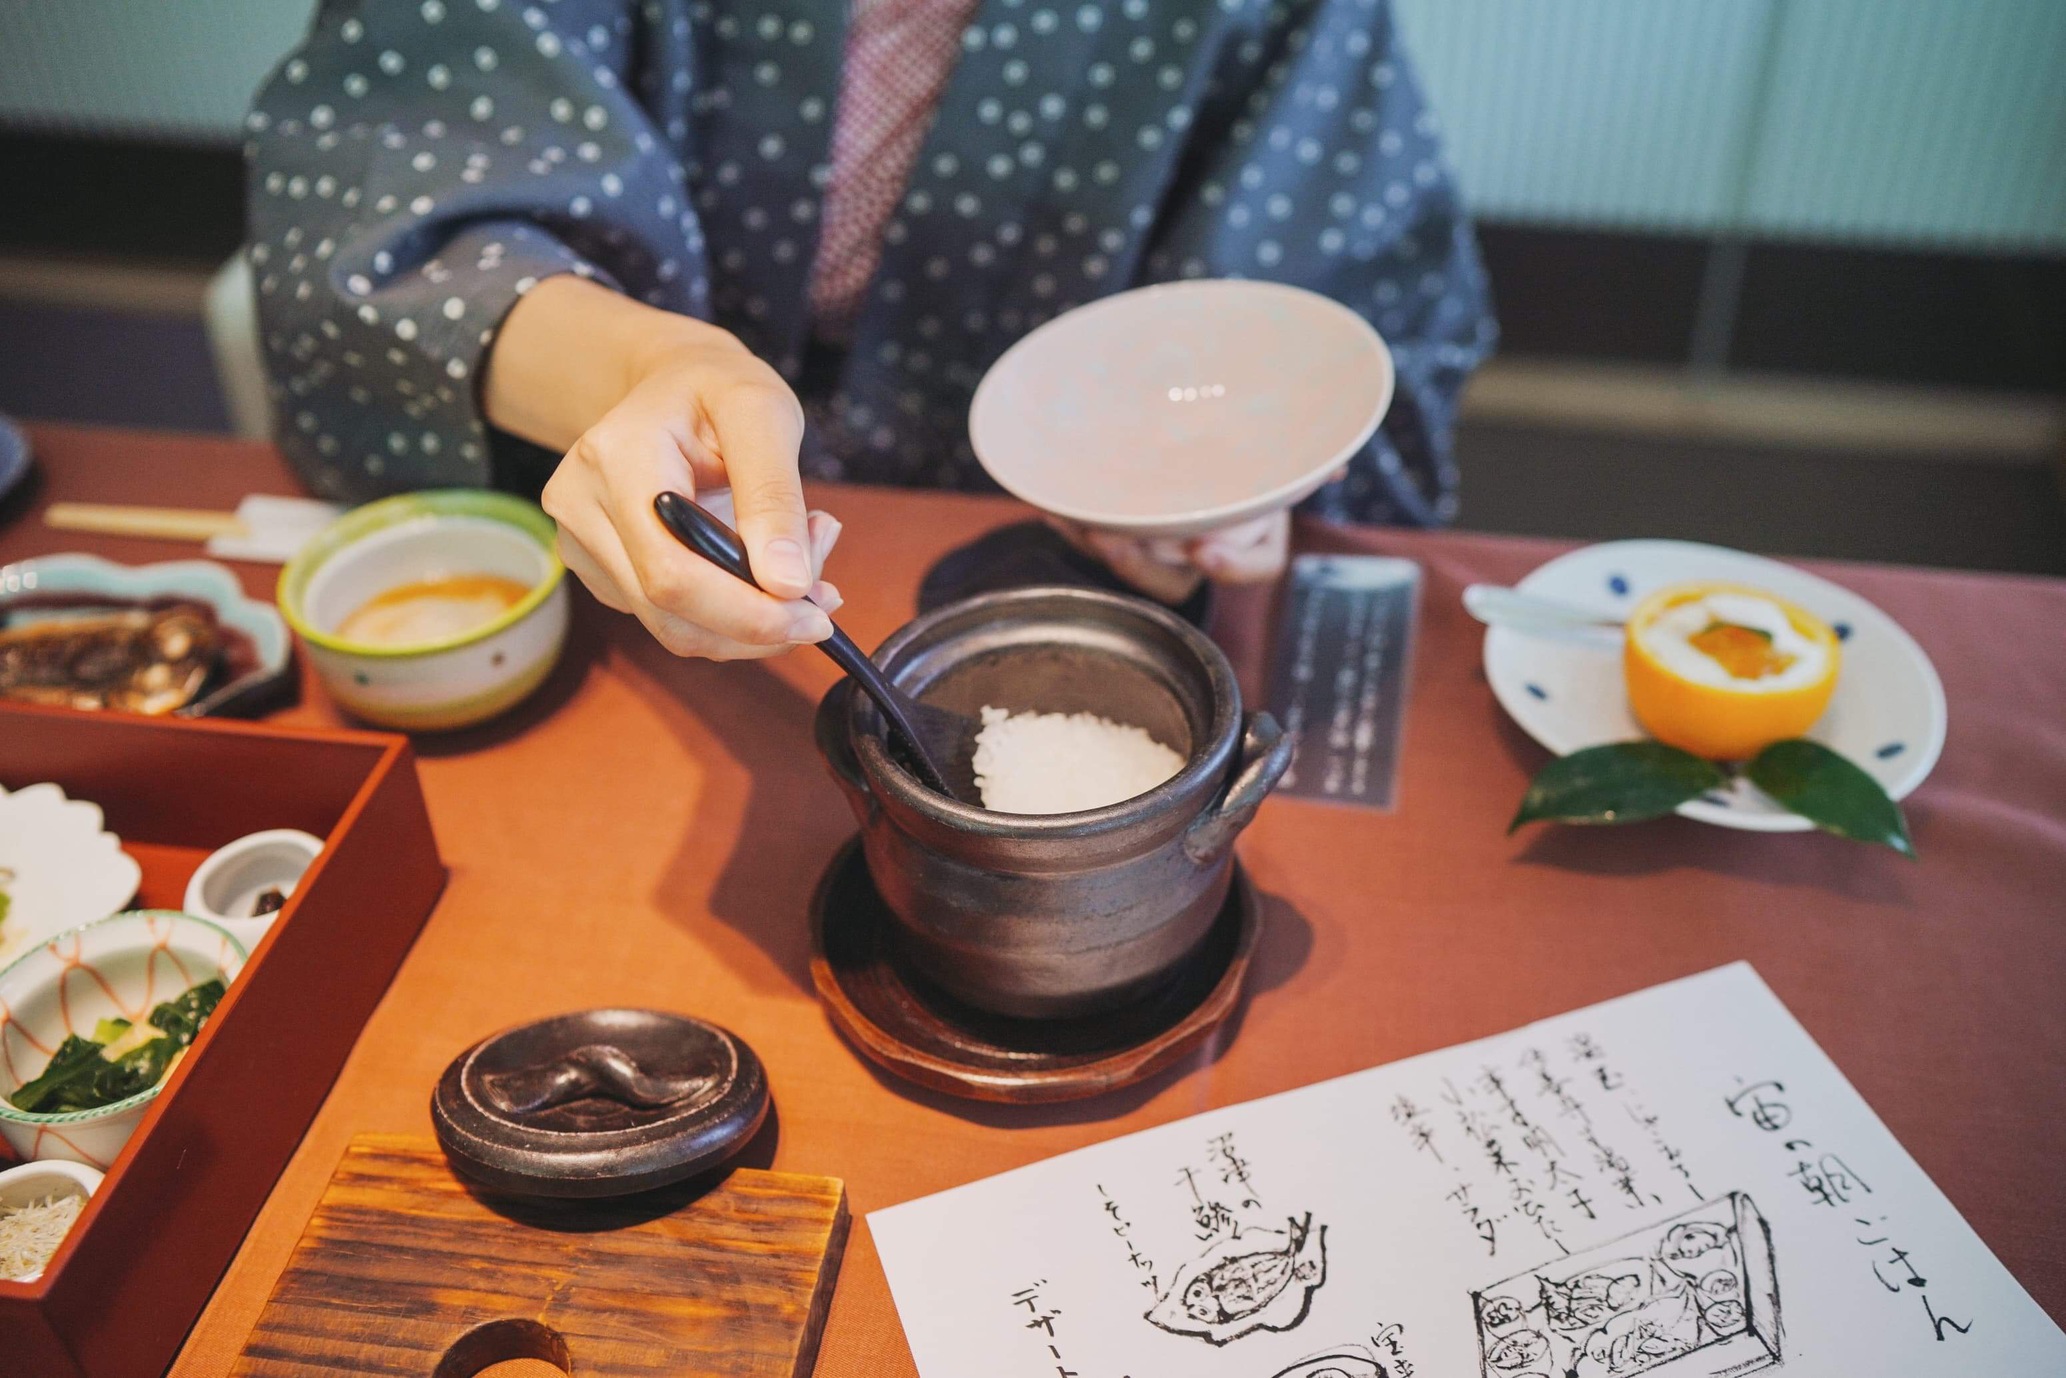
[(402, 1270)]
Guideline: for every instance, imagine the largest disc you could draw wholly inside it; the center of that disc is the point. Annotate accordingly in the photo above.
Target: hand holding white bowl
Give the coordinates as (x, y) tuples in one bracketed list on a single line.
[(1170, 568)]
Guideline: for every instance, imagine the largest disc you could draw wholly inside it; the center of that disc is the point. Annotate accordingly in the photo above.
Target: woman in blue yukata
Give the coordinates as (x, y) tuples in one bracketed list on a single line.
[(602, 248)]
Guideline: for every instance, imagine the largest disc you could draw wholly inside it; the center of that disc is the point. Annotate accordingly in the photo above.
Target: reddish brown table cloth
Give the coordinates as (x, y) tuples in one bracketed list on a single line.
[(647, 832)]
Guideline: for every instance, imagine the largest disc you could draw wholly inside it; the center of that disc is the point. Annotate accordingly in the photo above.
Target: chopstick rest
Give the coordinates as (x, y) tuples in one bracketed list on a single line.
[(265, 528)]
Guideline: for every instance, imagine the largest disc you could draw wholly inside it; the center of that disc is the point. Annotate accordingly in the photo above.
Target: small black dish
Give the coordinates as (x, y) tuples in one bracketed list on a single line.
[(1032, 555), (598, 1103), (903, 1023)]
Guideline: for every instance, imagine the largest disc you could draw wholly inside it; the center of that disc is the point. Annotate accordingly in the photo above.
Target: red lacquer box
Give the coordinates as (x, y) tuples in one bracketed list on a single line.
[(135, 1271)]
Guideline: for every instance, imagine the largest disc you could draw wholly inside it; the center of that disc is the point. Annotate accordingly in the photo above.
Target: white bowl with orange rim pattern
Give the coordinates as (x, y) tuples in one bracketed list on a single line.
[(119, 968)]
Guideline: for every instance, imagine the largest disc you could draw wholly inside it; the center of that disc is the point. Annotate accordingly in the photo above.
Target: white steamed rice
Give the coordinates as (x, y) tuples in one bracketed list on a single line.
[(1065, 762)]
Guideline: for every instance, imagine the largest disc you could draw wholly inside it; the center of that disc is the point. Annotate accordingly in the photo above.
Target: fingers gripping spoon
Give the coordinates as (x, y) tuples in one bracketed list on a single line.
[(935, 741)]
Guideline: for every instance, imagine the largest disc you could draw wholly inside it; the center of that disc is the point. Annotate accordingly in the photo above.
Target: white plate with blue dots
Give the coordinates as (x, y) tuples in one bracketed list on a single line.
[(1887, 713)]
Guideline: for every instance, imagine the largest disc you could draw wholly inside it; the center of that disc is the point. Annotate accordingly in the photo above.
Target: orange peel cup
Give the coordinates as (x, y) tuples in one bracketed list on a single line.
[(1724, 722)]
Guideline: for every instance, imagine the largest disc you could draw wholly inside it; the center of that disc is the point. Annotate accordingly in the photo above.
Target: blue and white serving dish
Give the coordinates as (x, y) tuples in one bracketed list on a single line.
[(264, 649)]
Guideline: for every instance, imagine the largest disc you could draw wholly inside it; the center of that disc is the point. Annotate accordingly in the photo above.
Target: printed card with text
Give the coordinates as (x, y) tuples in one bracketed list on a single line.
[(1677, 1183)]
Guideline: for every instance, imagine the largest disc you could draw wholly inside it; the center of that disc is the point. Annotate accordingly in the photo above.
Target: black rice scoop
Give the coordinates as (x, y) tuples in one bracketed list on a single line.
[(936, 743)]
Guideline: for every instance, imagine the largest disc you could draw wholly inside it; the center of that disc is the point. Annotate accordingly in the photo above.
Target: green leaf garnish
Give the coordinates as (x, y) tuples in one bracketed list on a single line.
[(72, 1067), (180, 1018), (1622, 782), (82, 1075), (1831, 792)]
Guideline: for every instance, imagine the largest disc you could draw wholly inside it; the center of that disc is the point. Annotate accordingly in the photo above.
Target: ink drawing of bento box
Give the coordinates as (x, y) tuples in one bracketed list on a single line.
[(1695, 1296)]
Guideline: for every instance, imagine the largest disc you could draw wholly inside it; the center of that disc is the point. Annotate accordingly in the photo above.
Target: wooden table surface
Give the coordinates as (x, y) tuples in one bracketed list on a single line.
[(646, 831)]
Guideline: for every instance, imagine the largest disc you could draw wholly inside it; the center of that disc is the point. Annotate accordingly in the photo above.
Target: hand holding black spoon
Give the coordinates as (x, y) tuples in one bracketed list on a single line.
[(933, 738)]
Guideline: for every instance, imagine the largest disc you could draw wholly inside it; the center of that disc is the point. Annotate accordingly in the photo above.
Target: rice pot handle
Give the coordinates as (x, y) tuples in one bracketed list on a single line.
[(1265, 755)]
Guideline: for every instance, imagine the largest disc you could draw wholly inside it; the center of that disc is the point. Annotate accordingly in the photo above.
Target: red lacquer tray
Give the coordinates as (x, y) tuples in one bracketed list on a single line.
[(120, 1296)]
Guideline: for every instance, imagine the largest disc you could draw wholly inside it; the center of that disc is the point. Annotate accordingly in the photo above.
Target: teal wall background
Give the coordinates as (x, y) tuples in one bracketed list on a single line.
[(1913, 122), (1928, 122), (180, 69), (1587, 112)]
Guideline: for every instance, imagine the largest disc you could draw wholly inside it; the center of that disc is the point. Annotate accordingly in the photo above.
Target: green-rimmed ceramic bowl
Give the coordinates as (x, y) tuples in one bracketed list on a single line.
[(414, 537)]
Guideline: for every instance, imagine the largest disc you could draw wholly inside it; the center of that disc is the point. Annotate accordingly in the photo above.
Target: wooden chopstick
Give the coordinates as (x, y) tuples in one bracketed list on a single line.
[(163, 523)]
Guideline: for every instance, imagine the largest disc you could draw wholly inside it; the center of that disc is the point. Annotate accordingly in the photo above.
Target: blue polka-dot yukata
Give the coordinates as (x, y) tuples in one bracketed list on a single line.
[(418, 166)]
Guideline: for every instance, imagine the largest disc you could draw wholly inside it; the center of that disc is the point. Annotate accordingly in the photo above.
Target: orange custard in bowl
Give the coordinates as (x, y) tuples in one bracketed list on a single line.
[(430, 610), (1723, 671)]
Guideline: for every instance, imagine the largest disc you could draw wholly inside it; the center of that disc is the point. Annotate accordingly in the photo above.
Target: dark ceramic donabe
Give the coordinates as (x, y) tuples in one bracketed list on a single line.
[(1065, 914)]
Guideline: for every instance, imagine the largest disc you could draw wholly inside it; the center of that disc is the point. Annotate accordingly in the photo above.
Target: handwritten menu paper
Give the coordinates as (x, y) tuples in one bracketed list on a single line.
[(1677, 1183)]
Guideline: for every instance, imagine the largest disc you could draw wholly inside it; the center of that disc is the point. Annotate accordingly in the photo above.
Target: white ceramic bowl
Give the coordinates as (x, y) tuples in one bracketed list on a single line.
[(48, 1180), (1887, 713), (225, 888), (61, 868), (420, 536), (122, 966), (1175, 409)]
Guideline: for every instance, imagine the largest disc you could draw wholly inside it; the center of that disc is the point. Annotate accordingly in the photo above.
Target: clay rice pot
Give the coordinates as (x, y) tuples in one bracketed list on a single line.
[(1066, 914)]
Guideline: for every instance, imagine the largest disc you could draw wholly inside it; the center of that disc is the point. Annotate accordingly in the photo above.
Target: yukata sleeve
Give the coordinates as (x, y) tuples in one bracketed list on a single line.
[(1315, 160), (415, 168)]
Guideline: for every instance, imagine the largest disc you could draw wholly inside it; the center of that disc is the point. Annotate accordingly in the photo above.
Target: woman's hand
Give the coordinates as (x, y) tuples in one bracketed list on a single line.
[(644, 401), (1170, 570), (700, 414)]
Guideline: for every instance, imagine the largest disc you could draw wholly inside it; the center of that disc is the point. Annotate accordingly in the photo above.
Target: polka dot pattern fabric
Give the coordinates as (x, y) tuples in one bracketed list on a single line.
[(417, 167)]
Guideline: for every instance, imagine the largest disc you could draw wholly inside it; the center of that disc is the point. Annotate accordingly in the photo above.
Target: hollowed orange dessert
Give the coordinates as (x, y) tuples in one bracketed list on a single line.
[(1723, 671)]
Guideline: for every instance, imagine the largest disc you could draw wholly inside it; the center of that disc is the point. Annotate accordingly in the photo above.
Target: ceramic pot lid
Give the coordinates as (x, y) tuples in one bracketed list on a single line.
[(598, 1103)]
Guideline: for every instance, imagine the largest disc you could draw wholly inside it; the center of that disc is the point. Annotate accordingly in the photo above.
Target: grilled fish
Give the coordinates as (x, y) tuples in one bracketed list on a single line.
[(136, 660)]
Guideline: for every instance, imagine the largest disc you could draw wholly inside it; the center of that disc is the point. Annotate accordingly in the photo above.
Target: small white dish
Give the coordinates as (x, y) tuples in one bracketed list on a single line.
[(123, 966), (59, 867), (48, 1180), (1887, 715), (226, 888), (1175, 409)]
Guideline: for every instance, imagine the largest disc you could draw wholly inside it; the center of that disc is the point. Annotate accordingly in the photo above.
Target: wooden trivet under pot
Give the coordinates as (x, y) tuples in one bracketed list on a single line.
[(402, 1270), (904, 1024)]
